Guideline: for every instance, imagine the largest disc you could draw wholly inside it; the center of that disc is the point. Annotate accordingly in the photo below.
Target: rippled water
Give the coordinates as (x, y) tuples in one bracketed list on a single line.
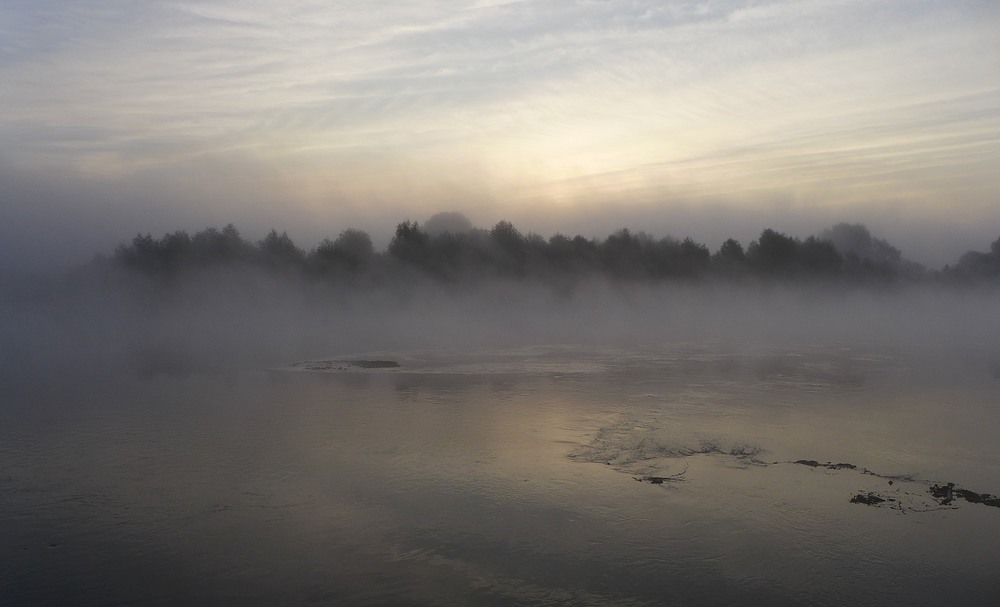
[(509, 478)]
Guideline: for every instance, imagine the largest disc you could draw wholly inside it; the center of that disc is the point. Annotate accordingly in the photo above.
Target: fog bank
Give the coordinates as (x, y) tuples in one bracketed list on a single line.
[(218, 322)]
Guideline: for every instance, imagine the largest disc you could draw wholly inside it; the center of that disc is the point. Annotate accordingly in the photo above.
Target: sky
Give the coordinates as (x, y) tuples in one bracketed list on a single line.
[(701, 118)]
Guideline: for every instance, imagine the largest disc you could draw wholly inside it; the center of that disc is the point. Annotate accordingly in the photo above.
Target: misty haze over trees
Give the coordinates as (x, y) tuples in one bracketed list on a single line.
[(447, 249), (215, 299)]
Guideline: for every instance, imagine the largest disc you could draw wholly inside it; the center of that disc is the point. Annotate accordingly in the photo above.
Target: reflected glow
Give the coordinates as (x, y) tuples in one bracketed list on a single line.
[(505, 477)]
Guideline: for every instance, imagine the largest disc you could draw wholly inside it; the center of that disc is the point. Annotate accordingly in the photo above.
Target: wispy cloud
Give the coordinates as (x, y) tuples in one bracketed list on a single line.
[(831, 100)]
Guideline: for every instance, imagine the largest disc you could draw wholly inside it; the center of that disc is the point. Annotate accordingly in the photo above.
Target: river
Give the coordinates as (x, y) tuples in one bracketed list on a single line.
[(676, 474)]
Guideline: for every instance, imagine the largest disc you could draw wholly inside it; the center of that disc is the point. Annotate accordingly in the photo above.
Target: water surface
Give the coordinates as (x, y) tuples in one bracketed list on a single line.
[(509, 477)]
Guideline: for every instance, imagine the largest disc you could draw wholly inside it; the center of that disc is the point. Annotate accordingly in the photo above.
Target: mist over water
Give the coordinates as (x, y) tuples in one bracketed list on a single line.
[(227, 318), (161, 446)]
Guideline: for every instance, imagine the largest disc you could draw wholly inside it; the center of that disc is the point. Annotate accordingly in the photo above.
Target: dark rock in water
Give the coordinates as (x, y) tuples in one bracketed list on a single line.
[(979, 498), (869, 499), (343, 365), (372, 364), (897, 499), (659, 480), (940, 491), (947, 493), (828, 465)]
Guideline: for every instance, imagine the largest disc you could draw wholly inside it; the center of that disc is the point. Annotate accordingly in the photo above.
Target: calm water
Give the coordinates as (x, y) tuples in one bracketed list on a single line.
[(509, 478)]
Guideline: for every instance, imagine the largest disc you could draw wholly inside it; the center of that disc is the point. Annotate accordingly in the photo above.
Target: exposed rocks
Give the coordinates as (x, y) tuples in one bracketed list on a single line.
[(945, 494), (344, 365), (949, 492), (868, 499), (658, 480), (373, 364), (828, 465)]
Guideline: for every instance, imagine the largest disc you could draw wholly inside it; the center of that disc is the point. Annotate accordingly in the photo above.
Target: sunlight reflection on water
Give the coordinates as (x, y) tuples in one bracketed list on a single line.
[(508, 477)]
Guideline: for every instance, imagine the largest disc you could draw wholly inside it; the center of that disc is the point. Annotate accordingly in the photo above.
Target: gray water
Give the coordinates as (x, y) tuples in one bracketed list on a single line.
[(509, 477)]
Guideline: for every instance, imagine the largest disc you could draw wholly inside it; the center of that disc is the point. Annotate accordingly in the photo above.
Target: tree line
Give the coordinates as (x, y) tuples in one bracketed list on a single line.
[(456, 253)]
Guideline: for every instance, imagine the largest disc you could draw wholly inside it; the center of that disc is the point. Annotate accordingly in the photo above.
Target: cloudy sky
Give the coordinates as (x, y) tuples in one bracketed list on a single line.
[(708, 118)]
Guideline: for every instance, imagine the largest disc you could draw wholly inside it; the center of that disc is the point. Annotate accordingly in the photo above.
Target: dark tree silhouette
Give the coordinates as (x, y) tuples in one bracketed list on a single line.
[(143, 254), (975, 265), (355, 245), (410, 244), (819, 258), (469, 256), (346, 256), (278, 250), (510, 249), (855, 238), (773, 253), (730, 261), (731, 250), (694, 257), (622, 255), (177, 251), (461, 257), (212, 245), (571, 256), (869, 259)]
